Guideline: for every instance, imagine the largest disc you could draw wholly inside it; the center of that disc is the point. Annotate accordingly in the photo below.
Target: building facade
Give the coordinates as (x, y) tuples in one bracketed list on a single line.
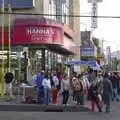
[(45, 29)]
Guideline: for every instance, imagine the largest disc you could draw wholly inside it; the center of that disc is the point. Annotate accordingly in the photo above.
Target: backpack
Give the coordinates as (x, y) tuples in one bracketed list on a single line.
[(8, 77)]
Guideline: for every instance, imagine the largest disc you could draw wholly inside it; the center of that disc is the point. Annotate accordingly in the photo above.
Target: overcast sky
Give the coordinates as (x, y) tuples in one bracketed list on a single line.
[(108, 29)]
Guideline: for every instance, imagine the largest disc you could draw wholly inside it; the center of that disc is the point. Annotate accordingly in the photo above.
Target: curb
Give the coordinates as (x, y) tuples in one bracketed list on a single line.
[(42, 108)]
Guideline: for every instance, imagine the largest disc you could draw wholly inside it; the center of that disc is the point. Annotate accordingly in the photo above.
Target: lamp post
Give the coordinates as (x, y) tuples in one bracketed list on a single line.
[(2, 75)]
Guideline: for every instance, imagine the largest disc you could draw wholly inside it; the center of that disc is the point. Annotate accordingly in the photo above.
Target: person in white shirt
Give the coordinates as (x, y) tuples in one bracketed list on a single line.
[(47, 89), (9, 80), (65, 88)]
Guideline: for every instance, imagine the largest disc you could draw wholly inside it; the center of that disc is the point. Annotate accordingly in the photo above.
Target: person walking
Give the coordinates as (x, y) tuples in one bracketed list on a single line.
[(115, 83), (39, 87), (47, 89), (55, 89), (73, 79), (78, 90), (9, 79), (65, 88), (94, 96), (107, 91)]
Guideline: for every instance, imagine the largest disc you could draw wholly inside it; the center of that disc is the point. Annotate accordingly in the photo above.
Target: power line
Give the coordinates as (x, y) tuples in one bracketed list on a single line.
[(82, 16)]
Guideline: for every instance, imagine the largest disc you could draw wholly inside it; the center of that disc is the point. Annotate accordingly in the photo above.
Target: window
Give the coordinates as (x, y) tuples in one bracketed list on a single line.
[(59, 7), (52, 9), (65, 11)]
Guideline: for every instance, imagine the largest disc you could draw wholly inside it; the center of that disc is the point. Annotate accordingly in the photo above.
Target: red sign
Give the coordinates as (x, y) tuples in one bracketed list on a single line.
[(37, 34)]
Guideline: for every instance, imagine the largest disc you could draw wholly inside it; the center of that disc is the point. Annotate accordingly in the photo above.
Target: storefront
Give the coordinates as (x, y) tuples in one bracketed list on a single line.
[(45, 42)]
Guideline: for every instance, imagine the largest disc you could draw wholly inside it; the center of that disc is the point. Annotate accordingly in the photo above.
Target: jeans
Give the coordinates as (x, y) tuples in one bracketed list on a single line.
[(80, 97), (40, 96), (115, 94), (47, 92), (65, 96), (74, 96)]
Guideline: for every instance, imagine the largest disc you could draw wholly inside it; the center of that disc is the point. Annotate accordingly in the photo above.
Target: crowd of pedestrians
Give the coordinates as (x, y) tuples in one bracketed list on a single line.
[(100, 88)]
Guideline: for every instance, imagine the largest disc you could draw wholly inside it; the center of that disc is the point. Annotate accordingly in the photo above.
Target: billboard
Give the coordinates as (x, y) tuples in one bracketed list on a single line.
[(17, 4), (87, 47), (88, 51)]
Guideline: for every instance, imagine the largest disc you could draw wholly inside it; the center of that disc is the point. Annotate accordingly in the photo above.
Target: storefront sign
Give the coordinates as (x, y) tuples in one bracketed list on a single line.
[(88, 51), (27, 32), (37, 34)]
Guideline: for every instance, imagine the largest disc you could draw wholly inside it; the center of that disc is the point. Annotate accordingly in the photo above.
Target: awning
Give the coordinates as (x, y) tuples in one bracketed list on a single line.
[(76, 62), (60, 49)]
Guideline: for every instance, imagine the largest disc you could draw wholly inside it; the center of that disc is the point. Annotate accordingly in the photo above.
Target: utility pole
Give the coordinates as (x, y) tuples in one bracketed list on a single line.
[(9, 35), (3, 62)]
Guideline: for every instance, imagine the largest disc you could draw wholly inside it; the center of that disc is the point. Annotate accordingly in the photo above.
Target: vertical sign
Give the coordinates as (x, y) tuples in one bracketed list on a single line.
[(94, 14)]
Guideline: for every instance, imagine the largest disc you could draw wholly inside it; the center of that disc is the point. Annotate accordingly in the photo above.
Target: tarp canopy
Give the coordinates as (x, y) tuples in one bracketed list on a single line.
[(76, 62), (92, 64)]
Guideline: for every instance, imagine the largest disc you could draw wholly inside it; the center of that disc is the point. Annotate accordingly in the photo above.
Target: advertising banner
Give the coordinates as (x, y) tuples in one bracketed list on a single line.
[(87, 48), (18, 3)]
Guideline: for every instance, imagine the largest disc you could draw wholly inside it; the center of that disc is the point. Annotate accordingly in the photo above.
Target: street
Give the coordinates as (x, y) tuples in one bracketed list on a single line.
[(114, 115)]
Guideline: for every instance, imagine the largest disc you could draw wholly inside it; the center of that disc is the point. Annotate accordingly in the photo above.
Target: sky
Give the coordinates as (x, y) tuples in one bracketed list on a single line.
[(108, 29)]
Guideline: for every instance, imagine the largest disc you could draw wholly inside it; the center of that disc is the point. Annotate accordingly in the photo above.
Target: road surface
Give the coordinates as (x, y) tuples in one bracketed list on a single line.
[(114, 115)]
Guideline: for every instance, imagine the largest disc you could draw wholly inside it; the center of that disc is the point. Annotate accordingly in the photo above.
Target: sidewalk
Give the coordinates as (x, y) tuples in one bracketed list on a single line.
[(15, 105)]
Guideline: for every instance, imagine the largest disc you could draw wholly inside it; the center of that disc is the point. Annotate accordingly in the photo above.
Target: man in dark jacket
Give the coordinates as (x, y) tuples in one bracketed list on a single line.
[(107, 91), (115, 83)]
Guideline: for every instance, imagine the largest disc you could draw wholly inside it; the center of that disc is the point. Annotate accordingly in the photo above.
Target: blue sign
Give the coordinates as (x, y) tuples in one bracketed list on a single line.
[(87, 51), (17, 4)]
